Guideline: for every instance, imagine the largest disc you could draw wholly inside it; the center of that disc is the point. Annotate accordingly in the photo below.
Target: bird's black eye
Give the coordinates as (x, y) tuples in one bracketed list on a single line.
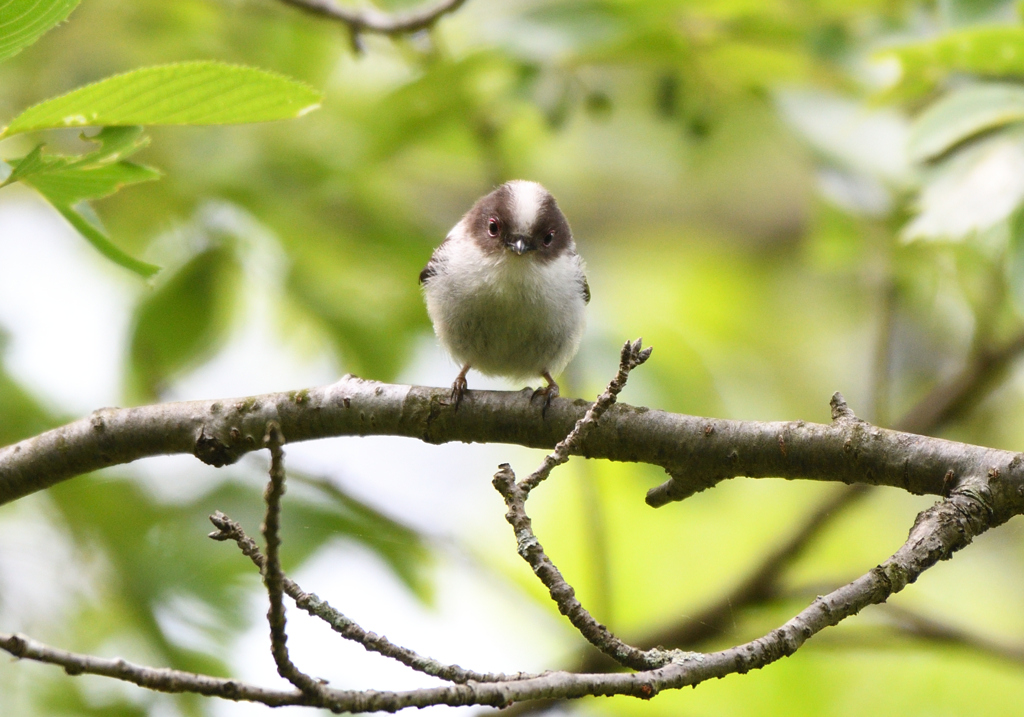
[(493, 226), (548, 238)]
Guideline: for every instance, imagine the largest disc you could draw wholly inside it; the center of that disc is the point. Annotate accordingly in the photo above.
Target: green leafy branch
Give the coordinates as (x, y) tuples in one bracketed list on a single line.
[(188, 93)]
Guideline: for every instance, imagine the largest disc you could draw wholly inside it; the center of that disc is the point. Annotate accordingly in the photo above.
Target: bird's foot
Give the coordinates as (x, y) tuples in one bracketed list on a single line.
[(459, 388), (458, 391), (549, 393)]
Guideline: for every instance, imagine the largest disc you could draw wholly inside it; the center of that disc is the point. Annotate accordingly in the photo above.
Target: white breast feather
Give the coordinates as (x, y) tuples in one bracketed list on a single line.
[(506, 315)]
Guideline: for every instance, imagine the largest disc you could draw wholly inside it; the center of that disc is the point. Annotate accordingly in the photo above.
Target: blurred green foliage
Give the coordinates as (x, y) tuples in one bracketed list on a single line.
[(183, 321), (784, 199)]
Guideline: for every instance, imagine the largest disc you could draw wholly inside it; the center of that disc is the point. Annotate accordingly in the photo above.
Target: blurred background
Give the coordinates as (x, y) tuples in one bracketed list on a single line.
[(784, 198)]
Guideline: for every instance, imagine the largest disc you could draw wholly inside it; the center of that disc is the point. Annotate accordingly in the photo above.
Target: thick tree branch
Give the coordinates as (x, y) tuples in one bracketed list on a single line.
[(845, 453), (698, 452), (376, 21)]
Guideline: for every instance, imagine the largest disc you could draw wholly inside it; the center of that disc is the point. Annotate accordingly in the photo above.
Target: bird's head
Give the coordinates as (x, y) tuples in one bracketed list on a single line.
[(522, 218)]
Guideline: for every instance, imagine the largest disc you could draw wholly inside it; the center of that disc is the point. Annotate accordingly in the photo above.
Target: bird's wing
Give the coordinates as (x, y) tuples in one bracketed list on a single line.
[(428, 271), (432, 266)]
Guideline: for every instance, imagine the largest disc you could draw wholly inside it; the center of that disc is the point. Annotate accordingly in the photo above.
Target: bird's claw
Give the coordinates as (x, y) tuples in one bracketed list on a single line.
[(549, 393), (459, 388)]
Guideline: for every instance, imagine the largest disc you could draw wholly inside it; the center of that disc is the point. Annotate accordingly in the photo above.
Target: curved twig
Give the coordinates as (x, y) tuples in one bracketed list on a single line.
[(228, 529), (938, 532), (376, 21), (945, 402), (529, 547), (273, 577)]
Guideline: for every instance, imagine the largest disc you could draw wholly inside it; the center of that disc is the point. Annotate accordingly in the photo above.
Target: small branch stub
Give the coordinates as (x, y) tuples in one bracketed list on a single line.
[(840, 411), (783, 452)]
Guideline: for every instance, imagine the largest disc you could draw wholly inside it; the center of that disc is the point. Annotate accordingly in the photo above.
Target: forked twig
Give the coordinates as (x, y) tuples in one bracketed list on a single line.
[(630, 357), (228, 529), (529, 547)]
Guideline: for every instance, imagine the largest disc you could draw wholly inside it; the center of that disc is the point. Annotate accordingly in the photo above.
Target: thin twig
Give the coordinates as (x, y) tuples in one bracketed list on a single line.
[(160, 679), (228, 529), (376, 21), (903, 621), (516, 494), (938, 532), (942, 404), (562, 593), (761, 586), (630, 357), (273, 576)]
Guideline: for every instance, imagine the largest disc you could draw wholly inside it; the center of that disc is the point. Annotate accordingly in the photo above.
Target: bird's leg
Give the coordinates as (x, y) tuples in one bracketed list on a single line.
[(548, 392), (459, 387)]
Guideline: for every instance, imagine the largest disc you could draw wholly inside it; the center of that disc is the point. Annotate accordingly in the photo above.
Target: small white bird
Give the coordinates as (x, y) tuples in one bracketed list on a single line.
[(506, 290)]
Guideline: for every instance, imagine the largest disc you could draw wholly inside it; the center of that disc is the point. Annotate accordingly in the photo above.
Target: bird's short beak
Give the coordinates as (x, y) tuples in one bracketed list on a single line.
[(520, 245)]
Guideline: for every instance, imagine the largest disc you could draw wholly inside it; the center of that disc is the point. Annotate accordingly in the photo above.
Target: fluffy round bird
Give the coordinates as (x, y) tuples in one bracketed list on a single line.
[(506, 290)]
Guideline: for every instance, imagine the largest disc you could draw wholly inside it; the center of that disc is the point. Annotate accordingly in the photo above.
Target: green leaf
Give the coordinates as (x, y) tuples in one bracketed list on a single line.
[(69, 186), (98, 238), (972, 190), (67, 182), (962, 114), (994, 51), (31, 163), (22, 22), (116, 143), (189, 93), (182, 322)]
